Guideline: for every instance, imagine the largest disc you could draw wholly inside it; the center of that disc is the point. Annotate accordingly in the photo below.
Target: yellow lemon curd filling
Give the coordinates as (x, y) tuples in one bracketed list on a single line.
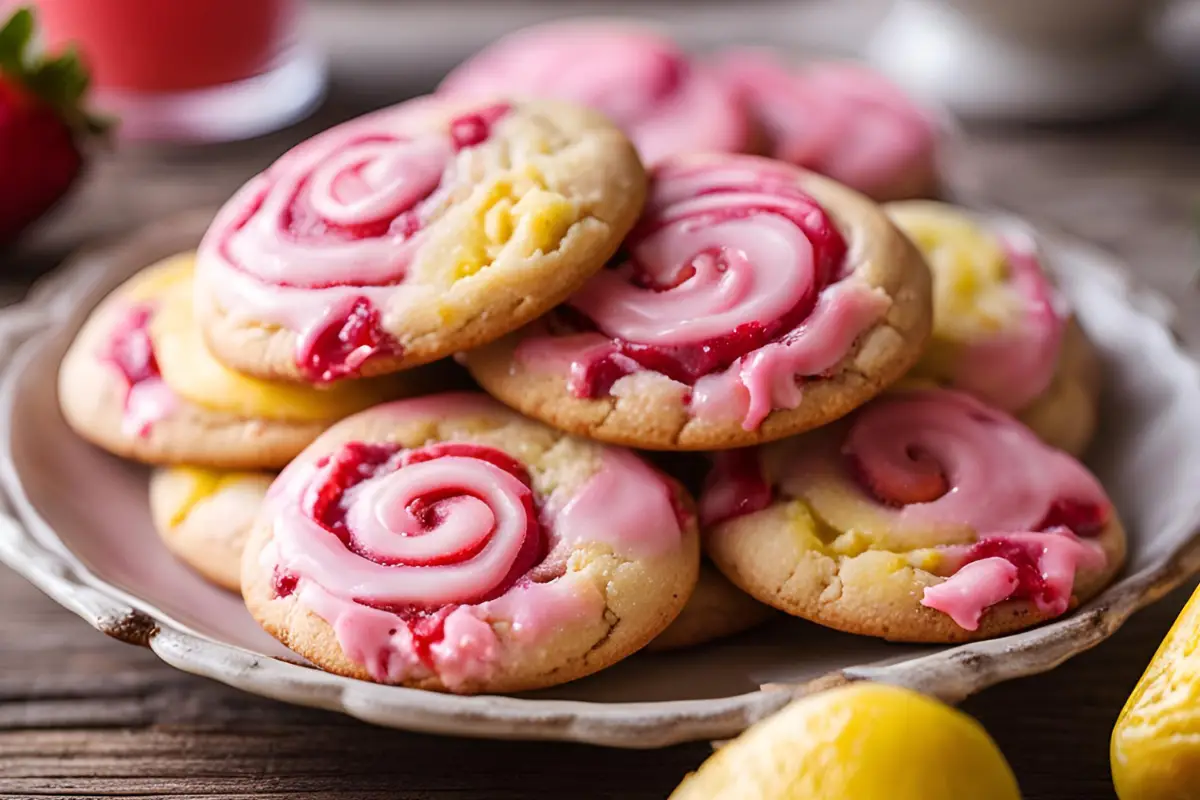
[(192, 373), (972, 296), (516, 212), (202, 484), (832, 516), (870, 533)]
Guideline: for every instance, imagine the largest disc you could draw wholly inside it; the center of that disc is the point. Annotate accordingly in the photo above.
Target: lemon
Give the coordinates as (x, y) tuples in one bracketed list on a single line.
[(859, 742), (1156, 743)]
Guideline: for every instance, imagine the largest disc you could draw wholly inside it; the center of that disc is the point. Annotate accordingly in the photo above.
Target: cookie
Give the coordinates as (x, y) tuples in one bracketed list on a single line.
[(716, 610), (753, 301), (1066, 414), (1001, 330), (446, 543), (138, 382), (204, 516), (926, 516), (842, 120), (411, 233), (640, 79)]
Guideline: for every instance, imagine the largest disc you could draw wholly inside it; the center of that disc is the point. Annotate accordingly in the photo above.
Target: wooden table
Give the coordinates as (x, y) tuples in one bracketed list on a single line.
[(82, 715)]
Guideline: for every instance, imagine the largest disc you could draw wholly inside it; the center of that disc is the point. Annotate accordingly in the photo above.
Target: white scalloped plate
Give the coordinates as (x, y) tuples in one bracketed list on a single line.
[(84, 537)]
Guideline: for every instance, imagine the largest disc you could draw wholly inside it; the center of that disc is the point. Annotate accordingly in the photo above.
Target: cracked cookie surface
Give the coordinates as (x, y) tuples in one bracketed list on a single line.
[(411, 233), (446, 543), (926, 516), (138, 382), (752, 301)]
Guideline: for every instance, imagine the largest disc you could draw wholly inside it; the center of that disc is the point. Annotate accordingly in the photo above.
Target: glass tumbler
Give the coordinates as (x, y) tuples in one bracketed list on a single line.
[(191, 70)]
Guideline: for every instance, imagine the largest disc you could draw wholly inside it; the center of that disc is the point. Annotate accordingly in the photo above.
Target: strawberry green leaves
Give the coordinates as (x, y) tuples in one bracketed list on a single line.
[(61, 81)]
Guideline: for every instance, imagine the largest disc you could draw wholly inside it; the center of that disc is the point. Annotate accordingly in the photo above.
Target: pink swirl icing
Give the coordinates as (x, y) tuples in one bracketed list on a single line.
[(841, 120), (733, 283), (323, 238), (130, 350), (411, 555), (428, 527), (940, 459), (639, 79), (943, 457), (1012, 368)]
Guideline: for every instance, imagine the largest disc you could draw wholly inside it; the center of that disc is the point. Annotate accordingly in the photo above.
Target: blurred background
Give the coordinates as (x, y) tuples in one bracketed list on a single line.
[(342, 57)]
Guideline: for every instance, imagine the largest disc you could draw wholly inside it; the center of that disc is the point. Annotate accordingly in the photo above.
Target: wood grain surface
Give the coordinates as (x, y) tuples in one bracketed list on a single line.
[(83, 715)]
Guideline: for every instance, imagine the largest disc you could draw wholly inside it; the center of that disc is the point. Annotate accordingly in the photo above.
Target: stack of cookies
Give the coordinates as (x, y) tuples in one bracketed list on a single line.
[(863, 415)]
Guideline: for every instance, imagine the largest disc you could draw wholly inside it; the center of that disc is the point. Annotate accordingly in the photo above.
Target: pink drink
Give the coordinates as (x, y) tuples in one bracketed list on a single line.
[(191, 69)]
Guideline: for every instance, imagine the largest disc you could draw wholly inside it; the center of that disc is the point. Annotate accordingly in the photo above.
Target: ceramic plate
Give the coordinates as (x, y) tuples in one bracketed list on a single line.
[(80, 529)]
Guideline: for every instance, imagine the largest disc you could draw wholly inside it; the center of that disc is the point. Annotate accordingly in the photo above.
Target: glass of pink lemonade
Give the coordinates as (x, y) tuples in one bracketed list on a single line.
[(191, 70)]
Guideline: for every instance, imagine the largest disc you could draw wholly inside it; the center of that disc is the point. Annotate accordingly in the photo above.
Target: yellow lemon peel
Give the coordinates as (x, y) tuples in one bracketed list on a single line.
[(1155, 749), (859, 742)]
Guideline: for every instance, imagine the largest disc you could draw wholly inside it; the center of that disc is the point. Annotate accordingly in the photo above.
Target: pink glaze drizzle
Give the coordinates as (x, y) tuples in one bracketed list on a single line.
[(940, 459), (734, 283), (765, 379), (130, 350), (1049, 561), (973, 589), (331, 228), (621, 502), (642, 81), (412, 555), (1011, 369), (841, 120)]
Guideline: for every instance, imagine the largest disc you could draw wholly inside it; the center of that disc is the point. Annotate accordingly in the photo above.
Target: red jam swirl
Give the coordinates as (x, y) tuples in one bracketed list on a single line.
[(130, 350), (318, 243), (455, 511), (735, 487), (946, 457), (724, 261), (348, 339)]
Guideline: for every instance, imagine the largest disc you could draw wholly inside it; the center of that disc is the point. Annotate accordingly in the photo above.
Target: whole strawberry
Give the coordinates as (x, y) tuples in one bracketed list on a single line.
[(42, 122)]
